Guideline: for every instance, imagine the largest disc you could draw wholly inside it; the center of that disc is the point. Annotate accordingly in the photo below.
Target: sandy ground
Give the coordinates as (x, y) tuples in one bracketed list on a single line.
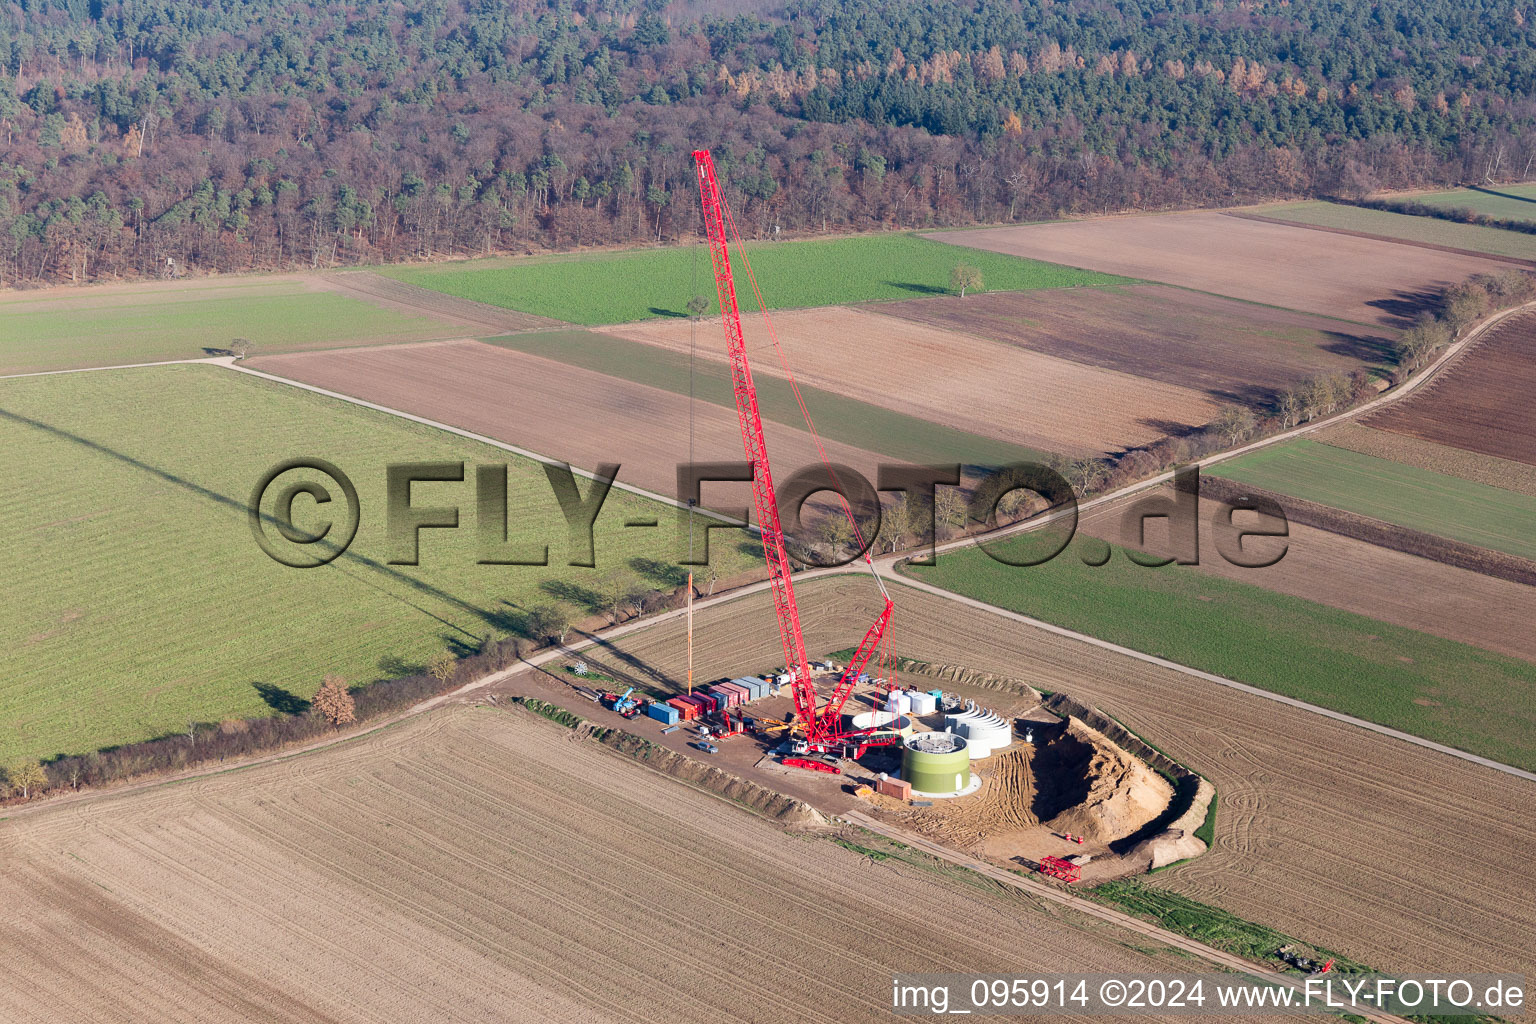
[(1232, 351), (1394, 855), (533, 402), (1360, 279), (1482, 402), (957, 379), (1360, 577), (477, 864)]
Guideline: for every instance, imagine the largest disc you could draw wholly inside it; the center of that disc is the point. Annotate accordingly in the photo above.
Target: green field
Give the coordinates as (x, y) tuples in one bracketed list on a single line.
[(1430, 230), (638, 284), (152, 324), (1480, 701), (1419, 499), (1504, 202), (138, 600), (871, 427)]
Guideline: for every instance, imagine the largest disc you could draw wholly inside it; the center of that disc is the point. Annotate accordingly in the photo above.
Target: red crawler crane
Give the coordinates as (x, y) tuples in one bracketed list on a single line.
[(823, 726)]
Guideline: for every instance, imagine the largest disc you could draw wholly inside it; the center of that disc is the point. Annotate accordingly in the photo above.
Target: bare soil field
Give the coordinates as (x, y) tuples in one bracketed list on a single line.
[(1233, 351), (1359, 576), (1331, 833), (1514, 476), (963, 381), (1482, 402), (1360, 279), (480, 864), (555, 409)]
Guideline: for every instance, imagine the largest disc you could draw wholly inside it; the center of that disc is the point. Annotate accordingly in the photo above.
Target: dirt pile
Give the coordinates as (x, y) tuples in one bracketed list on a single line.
[(784, 809), (1090, 786), (1178, 841)]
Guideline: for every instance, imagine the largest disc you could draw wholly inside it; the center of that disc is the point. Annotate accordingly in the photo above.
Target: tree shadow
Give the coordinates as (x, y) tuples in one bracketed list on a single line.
[(280, 700), (392, 666), (1408, 307), (575, 593), (664, 573), (1361, 347), (671, 313), (218, 351), (1171, 428), (921, 289), (1502, 195)]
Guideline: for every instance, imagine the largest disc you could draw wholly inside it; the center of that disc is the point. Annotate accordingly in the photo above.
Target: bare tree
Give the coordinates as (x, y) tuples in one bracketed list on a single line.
[(698, 306), (964, 278), (949, 510), (549, 623), (27, 776), (241, 347), (334, 703), (1234, 423), (442, 666)]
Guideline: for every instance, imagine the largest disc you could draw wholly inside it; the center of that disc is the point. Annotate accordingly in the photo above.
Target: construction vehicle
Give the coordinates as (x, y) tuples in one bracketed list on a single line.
[(813, 765), (823, 724), (624, 703)]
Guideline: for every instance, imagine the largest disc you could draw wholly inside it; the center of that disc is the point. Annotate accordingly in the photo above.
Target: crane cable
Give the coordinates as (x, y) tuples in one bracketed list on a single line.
[(794, 385)]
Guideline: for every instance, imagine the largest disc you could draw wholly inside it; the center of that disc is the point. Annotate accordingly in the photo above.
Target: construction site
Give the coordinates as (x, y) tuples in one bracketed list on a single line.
[(1026, 783)]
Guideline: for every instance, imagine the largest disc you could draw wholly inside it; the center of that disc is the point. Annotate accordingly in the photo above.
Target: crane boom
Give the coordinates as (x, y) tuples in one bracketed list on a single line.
[(823, 726), (763, 495)]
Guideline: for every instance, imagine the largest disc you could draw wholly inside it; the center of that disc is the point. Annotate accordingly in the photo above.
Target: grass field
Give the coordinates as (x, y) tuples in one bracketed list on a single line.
[(860, 424), (1439, 689), (1506, 202), (155, 324), (138, 599), (1419, 499), (1431, 230), (606, 288)]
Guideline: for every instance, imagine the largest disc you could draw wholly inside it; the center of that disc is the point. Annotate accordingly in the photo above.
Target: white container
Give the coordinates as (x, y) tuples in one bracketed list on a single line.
[(922, 703), (899, 703)]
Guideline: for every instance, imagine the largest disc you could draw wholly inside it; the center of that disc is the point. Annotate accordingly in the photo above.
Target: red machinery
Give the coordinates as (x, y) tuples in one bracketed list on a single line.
[(823, 725), (810, 764), (1065, 870)]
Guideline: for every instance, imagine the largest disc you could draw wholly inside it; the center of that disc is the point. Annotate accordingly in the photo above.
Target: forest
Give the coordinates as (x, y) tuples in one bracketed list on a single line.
[(163, 137)]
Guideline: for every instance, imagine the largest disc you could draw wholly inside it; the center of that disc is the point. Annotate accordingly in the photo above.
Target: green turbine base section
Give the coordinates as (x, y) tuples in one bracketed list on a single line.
[(949, 772)]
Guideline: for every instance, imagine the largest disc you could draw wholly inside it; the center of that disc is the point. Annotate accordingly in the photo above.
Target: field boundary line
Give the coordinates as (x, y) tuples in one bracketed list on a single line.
[(231, 363), (1352, 233), (1086, 906), (211, 360), (1211, 677)]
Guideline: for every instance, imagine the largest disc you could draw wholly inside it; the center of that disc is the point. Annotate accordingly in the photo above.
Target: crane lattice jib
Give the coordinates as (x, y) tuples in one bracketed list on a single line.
[(763, 496), (832, 714)]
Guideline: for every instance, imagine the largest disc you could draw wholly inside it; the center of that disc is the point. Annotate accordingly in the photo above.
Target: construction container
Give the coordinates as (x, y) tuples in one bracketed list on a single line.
[(743, 692), (725, 695), (755, 687), (666, 714), (686, 709), (922, 703), (703, 701), (901, 789), (899, 702), (936, 763)]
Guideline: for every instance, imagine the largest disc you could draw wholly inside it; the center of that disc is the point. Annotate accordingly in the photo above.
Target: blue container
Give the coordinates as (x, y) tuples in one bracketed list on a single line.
[(754, 687), (666, 714)]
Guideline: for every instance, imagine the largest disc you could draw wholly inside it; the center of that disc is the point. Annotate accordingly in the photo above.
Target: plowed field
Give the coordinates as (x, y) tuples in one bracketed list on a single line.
[(1233, 351), (1360, 279), (1481, 403), (959, 380), (1325, 831), (555, 409), (483, 865)]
